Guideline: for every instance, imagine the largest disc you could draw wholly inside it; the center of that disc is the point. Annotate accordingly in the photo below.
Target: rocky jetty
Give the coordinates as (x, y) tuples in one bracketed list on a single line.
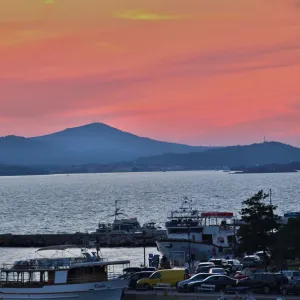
[(84, 239)]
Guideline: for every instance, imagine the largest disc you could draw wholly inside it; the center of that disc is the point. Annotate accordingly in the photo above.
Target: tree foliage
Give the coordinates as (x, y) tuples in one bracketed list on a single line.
[(259, 223), (288, 239)]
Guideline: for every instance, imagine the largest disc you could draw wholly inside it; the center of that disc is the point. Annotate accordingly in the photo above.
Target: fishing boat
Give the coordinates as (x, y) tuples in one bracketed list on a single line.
[(193, 235), (128, 226), (83, 277)]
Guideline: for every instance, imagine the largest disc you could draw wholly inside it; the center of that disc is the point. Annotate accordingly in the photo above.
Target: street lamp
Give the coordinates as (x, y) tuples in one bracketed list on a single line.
[(144, 242), (189, 240)]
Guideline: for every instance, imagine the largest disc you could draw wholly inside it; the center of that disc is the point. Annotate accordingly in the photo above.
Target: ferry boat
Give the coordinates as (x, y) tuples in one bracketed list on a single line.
[(83, 277), (128, 226), (196, 236)]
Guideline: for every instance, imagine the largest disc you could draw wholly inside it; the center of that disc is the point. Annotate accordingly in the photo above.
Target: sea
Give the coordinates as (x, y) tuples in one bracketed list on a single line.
[(77, 202)]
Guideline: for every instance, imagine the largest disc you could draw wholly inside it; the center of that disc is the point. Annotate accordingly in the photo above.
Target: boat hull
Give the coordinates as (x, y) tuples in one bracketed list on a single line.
[(178, 250), (97, 291)]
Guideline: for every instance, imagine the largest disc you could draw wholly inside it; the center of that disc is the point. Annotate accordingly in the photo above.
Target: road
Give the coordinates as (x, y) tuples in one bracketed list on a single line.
[(174, 295)]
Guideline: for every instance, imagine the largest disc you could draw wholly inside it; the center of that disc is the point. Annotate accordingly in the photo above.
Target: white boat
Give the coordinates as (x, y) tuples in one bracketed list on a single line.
[(196, 236), (83, 277)]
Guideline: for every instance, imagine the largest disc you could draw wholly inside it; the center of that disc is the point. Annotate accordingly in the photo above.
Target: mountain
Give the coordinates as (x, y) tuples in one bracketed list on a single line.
[(247, 156), (92, 143)]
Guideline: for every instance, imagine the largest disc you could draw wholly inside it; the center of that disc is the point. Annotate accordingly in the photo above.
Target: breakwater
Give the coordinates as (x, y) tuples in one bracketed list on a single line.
[(84, 239)]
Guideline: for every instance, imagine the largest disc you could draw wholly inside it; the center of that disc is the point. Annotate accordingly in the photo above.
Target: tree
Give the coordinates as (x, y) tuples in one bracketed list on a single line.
[(259, 222), (288, 239)]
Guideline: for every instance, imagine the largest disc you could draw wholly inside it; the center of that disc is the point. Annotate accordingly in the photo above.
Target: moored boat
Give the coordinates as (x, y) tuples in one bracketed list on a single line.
[(128, 226), (82, 277), (193, 235)]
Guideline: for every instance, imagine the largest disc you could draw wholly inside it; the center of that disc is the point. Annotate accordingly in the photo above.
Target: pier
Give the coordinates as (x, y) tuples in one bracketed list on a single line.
[(84, 239)]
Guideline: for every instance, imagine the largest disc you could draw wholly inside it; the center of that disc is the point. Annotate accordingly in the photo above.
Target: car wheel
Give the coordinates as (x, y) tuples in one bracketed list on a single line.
[(197, 289), (284, 291), (267, 289), (147, 286)]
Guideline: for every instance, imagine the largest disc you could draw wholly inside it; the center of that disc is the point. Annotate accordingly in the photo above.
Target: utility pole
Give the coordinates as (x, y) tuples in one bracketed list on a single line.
[(144, 241), (189, 233)]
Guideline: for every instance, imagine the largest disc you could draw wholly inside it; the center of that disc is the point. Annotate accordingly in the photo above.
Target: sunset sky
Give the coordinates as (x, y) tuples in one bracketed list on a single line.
[(203, 72)]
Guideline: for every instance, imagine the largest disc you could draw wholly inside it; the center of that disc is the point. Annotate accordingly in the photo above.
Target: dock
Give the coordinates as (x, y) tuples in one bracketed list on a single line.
[(84, 239)]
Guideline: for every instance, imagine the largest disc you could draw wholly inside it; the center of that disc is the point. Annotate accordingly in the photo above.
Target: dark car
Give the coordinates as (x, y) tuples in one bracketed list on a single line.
[(265, 282), (222, 263), (235, 265), (135, 277), (182, 286), (220, 282), (204, 267), (251, 261), (291, 288)]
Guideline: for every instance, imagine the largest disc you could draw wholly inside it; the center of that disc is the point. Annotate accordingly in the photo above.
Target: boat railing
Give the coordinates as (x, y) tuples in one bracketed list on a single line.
[(62, 263)]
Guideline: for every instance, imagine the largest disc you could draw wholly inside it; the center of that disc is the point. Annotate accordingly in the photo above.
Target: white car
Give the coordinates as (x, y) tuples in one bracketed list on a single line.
[(236, 265)]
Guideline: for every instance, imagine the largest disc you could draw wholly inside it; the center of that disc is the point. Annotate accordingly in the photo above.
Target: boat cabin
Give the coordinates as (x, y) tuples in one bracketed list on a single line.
[(58, 271)]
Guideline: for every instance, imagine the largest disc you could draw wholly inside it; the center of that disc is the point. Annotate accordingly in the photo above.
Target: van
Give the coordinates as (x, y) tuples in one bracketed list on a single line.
[(169, 276)]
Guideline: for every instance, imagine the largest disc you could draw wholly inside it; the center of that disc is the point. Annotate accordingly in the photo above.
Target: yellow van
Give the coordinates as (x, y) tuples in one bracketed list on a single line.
[(169, 276)]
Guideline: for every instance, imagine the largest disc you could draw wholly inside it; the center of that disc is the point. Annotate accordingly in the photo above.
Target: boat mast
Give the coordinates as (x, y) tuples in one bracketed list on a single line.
[(116, 209)]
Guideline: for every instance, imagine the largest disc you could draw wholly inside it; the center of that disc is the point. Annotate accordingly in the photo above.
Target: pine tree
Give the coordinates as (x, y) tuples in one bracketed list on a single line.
[(259, 223)]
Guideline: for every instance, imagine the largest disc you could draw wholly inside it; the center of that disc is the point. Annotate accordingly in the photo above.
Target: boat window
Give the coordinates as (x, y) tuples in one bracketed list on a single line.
[(87, 274)]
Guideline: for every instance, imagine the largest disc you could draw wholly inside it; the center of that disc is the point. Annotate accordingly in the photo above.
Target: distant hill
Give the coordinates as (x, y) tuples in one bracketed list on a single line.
[(247, 156), (92, 143), (13, 170), (291, 167)]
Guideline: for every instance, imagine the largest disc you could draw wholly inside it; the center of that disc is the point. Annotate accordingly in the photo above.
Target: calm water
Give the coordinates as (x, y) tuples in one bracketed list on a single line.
[(70, 203)]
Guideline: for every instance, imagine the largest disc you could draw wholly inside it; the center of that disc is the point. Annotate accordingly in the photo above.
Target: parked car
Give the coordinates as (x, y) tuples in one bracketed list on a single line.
[(222, 263), (251, 261), (265, 282), (182, 286), (135, 277), (291, 288), (247, 272), (221, 271), (220, 282), (235, 265), (292, 275), (169, 276), (204, 267), (263, 254)]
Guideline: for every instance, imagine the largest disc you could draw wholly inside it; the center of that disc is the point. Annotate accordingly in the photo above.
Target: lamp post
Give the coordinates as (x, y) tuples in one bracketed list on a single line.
[(189, 239), (144, 242)]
